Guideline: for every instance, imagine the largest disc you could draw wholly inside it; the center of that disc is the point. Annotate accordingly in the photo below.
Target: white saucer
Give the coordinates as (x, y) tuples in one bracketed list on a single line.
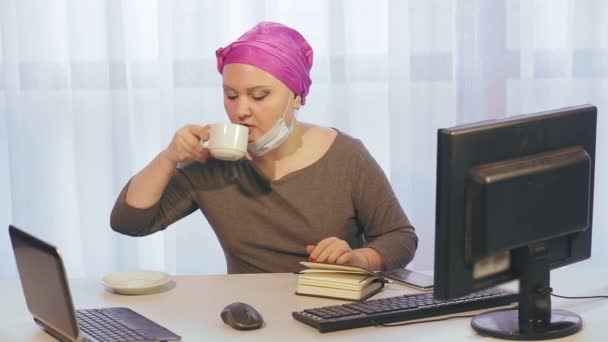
[(135, 282)]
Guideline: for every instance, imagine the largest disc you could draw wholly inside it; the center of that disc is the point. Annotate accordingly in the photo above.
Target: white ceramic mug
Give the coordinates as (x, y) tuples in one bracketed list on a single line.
[(227, 141)]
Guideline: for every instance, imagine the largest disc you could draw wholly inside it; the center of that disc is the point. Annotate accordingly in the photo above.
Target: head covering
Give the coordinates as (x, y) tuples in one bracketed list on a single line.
[(276, 49)]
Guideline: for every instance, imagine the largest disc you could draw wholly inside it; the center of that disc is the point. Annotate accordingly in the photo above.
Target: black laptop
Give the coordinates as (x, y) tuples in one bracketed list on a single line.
[(47, 294)]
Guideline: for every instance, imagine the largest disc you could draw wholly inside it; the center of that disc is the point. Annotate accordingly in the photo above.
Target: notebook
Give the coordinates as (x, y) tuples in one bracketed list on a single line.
[(338, 281), (47, 294)]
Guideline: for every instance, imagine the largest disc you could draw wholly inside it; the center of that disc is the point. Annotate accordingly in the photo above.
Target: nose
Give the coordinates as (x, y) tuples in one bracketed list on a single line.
[(243, 109)]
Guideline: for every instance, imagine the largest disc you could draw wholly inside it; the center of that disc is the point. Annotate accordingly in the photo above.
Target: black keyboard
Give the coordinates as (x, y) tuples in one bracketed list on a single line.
[(103, 325), (398, 309)]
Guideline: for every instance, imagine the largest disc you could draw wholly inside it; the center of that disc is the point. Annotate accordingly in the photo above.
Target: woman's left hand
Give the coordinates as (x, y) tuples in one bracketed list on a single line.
[(335, 251)]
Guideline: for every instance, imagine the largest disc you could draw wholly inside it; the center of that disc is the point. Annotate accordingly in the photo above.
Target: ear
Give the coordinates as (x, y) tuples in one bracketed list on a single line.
[(297, 103)]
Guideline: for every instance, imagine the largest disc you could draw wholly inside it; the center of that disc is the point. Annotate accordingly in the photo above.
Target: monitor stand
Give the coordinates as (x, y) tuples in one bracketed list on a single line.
[(533, 319)]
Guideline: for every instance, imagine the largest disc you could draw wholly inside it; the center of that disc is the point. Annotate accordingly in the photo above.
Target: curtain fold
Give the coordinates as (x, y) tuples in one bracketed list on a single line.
[(91, 91)]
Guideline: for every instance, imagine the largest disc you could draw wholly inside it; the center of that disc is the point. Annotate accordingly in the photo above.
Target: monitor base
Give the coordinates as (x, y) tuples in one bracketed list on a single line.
[(505, 324)]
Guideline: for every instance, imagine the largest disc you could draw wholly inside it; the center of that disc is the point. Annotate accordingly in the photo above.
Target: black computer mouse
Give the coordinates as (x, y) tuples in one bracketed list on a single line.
[(242, 316)]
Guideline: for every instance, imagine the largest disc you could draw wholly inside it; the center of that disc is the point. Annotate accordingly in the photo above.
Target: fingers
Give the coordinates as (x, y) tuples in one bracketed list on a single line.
[(188, 147), (192, 145), (346, 259), (328, 250), (201, 132), (335, 251), (310, 248), (319, 248), (338, 252), (186, 144)]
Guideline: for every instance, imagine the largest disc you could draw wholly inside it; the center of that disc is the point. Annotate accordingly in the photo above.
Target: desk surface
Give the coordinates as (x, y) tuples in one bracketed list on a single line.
[(191, 309)]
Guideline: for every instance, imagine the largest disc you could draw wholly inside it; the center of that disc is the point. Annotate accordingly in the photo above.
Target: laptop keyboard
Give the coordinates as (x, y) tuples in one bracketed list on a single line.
[(103, 325)]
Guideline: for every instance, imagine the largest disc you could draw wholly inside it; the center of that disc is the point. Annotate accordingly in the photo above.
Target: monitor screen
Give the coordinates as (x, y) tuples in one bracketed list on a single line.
[(514, 200)]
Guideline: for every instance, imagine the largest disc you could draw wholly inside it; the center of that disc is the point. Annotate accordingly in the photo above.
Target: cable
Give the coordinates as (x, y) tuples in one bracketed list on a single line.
[(388, 325), (582, 297), (549, 290)]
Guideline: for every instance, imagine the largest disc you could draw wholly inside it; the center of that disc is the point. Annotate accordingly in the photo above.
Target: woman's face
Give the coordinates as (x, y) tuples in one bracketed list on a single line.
[(255, 98)]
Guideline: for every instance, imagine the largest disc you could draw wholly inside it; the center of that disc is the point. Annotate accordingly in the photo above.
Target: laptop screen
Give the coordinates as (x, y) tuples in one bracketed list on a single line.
[(44, 282)]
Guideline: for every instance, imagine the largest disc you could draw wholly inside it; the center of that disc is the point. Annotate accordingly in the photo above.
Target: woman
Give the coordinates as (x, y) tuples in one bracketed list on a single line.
[(302, 192)]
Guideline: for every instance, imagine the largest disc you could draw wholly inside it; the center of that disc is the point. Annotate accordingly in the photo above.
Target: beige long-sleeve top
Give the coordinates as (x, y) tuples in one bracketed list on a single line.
[(265, 226)]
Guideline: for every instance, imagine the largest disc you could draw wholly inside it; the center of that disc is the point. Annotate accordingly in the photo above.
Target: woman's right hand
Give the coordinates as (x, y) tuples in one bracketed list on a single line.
[(186, 145)]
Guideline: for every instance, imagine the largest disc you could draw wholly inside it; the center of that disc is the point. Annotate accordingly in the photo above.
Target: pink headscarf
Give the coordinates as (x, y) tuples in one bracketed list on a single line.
[(276, 49)]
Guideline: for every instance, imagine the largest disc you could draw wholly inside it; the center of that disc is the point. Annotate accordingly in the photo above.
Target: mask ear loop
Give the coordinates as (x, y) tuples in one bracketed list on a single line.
[(293, 117)]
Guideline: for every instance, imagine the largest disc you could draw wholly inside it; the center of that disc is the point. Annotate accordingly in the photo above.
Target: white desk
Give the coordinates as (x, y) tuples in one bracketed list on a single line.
[(192, 307)]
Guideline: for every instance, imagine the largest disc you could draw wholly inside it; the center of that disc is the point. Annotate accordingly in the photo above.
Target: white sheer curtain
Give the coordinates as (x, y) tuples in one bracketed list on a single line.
[(91, 90)]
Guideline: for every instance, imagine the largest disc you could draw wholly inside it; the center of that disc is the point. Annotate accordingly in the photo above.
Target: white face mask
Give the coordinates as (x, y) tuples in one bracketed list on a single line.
[(274, 137)]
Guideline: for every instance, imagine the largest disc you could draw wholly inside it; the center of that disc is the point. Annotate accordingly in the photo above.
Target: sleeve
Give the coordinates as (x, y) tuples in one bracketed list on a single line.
[(384, 223), (177, 201)]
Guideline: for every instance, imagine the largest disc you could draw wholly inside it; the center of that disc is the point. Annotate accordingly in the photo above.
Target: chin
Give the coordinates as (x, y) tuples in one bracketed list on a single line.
[(252, 138)]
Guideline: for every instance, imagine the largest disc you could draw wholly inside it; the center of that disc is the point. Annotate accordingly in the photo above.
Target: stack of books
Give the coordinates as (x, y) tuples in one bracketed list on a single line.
[(338, 281)]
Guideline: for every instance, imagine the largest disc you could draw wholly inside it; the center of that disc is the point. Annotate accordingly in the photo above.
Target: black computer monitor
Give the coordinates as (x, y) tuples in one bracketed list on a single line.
[(515, 200)]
